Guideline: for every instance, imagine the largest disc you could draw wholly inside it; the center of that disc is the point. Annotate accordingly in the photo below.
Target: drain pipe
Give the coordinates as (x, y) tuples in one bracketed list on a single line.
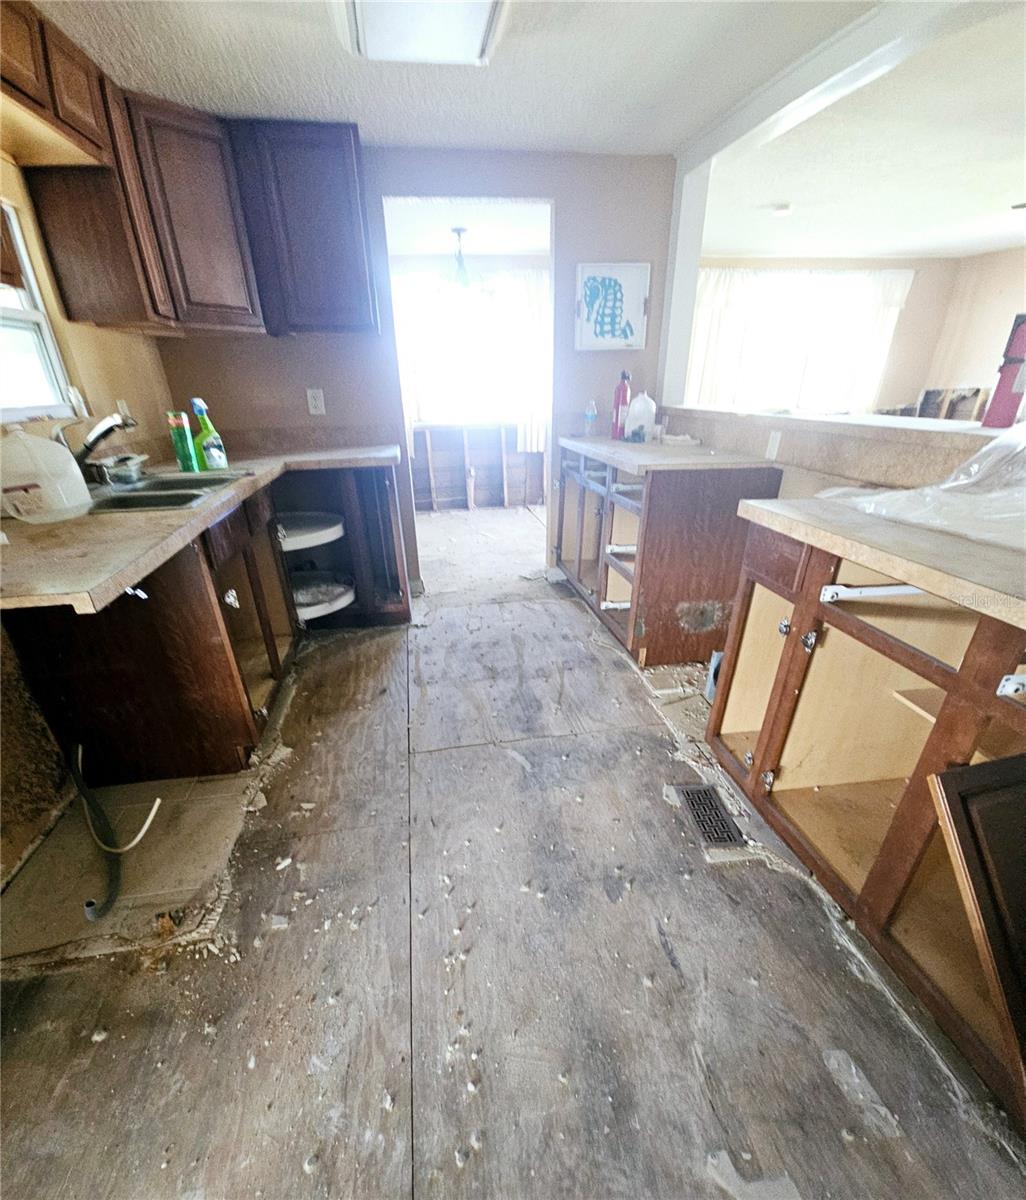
[(102, 833)]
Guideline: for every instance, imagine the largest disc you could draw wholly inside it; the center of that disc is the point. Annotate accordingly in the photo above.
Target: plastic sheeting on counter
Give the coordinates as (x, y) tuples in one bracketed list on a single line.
[(985, 499)]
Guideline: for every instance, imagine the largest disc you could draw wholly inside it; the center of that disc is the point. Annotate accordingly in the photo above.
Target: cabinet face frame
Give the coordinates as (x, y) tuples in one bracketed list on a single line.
[(797, 572)]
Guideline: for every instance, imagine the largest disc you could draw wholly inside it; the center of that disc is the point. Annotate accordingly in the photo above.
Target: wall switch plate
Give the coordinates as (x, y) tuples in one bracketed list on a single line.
[(773, 445), (315, 401)]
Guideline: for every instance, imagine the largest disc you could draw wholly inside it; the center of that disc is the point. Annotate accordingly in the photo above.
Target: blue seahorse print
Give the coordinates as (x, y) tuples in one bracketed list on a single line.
[(603, 299)]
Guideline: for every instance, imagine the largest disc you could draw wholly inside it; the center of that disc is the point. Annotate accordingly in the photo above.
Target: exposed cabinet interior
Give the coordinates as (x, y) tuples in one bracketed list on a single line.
[(370, 556), (754, 672), (835, 727)]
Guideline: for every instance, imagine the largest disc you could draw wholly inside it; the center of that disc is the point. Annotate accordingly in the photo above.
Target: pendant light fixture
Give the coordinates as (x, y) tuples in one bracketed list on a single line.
[(462, 275)]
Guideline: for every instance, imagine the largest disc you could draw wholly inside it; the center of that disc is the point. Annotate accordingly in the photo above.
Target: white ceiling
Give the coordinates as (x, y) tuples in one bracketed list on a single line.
[(622, 78), (416, 225), (928, 160)]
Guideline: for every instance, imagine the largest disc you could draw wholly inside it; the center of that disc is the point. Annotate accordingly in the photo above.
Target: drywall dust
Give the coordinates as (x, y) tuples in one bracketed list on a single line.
[(723, 1172), (857, 1089)]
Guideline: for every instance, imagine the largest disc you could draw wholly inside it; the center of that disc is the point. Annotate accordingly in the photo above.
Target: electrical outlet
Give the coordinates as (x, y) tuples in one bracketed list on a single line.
[(315, 401), (773, 445)]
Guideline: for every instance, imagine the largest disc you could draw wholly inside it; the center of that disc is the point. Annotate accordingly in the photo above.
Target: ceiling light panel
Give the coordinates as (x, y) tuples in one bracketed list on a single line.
[(460, 32)]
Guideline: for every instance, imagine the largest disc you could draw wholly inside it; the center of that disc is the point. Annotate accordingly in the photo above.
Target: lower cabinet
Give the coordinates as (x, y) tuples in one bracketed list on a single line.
[(835, 713), (175, 677), (656, 556)]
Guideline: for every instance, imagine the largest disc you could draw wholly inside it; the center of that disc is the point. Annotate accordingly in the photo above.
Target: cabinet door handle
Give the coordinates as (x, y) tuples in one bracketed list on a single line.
[(784, 628), (231, 598)]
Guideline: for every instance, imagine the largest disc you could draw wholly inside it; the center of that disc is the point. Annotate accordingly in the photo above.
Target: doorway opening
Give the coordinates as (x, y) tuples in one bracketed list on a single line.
[(471, 283)]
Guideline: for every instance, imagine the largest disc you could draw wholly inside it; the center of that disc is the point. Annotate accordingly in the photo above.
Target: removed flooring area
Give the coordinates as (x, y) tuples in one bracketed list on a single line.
[(482, 955)]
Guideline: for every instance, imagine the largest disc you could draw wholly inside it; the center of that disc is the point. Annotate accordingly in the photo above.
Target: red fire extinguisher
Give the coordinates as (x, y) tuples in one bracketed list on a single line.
[(621, 400)]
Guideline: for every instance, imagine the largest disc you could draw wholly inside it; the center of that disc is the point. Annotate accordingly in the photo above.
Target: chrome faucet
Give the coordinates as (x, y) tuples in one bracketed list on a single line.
[(101, 430)]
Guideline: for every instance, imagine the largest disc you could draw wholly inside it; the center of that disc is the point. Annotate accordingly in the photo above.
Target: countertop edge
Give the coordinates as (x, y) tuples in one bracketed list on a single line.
[(943, 584), (712, 459), (265, 471)]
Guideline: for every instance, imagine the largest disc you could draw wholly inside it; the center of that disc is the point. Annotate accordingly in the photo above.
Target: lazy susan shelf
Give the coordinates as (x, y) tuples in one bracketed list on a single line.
[(303, 530), (317, 593)]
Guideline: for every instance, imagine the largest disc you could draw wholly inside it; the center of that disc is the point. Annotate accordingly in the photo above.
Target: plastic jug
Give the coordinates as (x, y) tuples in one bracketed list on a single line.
[(641, 416), (40, 479)]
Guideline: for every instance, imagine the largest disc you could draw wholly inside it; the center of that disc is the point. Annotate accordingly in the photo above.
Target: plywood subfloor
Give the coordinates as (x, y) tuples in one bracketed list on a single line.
[(504, 970)]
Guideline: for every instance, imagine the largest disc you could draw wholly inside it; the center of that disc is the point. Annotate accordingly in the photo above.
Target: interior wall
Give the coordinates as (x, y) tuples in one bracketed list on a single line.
[(989, 290), (105, 365), (605, 208)]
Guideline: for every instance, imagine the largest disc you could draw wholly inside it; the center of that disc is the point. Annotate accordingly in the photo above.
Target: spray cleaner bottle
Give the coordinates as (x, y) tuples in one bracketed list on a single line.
[(621, 399), (209, 448)]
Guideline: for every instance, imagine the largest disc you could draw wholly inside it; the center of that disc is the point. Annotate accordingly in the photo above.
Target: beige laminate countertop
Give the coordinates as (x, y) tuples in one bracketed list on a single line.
[(88, 562), (638, 458), (988, 578)]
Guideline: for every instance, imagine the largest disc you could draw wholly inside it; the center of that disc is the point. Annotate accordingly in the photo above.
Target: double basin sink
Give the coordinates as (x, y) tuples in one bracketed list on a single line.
[(182, 490)]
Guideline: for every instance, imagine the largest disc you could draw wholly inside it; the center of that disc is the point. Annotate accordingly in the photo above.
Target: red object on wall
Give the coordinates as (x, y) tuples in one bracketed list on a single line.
[(1004, 404)]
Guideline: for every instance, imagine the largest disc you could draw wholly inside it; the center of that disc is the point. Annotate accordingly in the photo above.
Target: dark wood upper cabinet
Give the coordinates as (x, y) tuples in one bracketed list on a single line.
[(22, 56), (153, 277), (75, 87), (302, 193), (189, 177)]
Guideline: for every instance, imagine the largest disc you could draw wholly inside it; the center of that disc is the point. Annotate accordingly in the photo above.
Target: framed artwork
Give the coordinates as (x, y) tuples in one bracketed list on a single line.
[(612, 306)]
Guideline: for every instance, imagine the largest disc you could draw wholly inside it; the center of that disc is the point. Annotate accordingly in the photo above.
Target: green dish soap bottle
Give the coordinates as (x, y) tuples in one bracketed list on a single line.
[(209, 447)]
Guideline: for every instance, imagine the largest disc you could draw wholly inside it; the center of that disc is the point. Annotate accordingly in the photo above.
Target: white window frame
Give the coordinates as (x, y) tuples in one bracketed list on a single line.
[(34, 317)]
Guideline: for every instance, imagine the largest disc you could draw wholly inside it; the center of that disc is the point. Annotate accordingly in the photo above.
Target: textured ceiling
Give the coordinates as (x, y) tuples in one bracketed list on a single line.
[(927, 160), (623, 78)]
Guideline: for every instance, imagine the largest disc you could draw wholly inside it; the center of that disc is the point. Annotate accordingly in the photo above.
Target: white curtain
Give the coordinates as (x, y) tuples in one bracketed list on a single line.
[(783, 340), (478, 352)]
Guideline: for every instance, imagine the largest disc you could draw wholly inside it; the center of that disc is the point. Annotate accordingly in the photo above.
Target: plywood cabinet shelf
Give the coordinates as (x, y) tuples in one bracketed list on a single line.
[(997, 741)]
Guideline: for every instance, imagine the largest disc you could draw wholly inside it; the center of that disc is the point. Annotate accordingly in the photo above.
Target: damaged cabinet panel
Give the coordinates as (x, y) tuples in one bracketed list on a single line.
[(650, 537)]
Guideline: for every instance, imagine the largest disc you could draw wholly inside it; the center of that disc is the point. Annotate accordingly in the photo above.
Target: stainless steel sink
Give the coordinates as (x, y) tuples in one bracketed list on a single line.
[(193, 481), (151, 492), (135, 501)]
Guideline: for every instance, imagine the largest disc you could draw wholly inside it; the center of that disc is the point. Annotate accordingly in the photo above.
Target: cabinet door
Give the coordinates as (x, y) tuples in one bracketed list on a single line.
[(303, 197), (190, 183), (22, 58), (75, 84)]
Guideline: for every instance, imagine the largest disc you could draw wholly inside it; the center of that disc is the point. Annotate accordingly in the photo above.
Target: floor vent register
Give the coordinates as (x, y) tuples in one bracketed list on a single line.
[(709, 816)]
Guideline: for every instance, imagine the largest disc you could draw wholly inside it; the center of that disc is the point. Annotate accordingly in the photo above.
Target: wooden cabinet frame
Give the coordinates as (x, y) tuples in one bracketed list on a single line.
[(796, 573), (681, 567)]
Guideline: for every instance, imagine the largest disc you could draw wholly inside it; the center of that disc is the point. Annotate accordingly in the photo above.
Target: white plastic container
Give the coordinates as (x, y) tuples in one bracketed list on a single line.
[(641, 412), (40, 479)]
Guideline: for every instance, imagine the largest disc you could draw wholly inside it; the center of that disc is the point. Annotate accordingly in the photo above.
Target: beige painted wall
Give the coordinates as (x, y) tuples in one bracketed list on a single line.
[(989, 290), (105, 365), (605, 208)]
